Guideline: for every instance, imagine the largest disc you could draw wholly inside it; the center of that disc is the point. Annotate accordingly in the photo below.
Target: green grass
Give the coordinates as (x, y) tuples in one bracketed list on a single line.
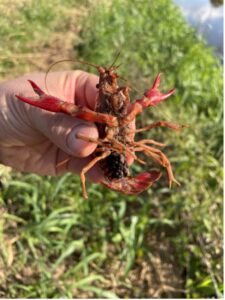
[(154, 38), (30, 31), (53, 243)]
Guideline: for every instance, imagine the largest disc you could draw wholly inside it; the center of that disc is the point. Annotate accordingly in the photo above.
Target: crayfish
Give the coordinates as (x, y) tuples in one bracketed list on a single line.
[(113, 115)]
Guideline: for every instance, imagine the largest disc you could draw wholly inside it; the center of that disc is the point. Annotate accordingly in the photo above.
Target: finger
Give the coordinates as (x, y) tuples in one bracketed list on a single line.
[(85, 89), (71, 86), (77, 87), (62, 131), (65, 163)]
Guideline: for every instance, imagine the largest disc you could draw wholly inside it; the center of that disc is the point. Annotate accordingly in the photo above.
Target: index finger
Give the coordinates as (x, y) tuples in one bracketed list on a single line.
[(85, 89), (77, 86), (73, 86)]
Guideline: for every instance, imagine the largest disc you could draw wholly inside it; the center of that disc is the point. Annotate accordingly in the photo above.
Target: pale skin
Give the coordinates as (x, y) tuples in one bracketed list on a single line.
[(42, 142)]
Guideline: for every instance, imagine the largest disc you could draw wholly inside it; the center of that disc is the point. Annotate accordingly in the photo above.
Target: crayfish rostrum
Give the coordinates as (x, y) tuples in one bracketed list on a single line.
[(113, 115)]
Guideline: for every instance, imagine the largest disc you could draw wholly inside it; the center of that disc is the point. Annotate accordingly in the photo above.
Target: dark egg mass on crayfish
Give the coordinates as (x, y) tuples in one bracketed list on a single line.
[(114, 115)]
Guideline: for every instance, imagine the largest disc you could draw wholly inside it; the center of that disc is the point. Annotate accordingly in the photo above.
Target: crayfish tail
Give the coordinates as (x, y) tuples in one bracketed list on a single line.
[(134, 185)]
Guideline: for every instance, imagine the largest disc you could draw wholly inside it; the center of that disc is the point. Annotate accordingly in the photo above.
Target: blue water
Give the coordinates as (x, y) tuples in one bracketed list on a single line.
[(207, 19)]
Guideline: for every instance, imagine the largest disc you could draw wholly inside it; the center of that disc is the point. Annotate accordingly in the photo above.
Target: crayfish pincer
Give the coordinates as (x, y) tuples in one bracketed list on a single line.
[(113, 115)]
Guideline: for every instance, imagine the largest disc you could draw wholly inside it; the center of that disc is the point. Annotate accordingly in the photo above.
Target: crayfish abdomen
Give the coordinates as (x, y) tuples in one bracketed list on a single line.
[(115, 166)]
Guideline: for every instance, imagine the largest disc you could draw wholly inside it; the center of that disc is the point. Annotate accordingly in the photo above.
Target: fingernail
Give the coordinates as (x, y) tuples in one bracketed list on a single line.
[(79, 147)]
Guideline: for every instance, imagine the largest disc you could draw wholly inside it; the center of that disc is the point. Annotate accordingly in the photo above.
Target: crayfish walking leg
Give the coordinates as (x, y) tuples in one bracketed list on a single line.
[(88, 167), (159, 157)]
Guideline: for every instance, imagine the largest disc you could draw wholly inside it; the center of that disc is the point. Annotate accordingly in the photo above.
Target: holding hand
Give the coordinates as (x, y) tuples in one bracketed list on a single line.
[(35, 140)]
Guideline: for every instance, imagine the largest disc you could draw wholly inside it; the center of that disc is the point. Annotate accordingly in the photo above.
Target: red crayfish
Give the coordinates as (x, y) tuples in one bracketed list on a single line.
[(113, 114)]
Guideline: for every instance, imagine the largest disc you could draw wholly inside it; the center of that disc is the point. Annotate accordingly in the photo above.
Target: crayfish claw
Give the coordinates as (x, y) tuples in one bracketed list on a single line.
[(36, 88), (156, 82), (153, 96), (44, 101)]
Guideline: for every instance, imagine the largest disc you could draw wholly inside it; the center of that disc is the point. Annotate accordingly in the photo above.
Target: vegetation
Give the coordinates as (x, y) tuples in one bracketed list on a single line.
[(216, 2), (163, 243)]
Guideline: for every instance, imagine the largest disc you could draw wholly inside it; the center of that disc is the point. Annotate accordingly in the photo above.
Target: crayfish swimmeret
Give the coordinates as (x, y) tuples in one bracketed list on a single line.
[(113, 114)]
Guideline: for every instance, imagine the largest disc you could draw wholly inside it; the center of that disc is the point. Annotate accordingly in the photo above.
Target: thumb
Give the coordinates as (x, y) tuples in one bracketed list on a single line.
[(62, 131)]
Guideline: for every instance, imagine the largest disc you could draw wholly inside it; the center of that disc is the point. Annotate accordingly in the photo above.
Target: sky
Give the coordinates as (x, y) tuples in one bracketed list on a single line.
[(207, 19)]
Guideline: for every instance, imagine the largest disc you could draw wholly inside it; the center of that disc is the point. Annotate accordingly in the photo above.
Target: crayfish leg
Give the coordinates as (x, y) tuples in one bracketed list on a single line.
[(170, 125), (133, 185), (158, 156), (87, 168), (153, 142)]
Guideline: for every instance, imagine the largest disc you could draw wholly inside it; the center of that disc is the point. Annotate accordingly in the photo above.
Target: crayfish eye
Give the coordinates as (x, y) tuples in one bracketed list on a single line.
[(97, 86)]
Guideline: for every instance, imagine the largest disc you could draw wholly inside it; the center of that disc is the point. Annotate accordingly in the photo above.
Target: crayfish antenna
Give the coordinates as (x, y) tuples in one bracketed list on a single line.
[(64, 60), (114, 61)]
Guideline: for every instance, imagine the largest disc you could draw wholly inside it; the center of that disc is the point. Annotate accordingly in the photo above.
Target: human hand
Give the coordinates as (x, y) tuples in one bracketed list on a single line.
[(35, 140)]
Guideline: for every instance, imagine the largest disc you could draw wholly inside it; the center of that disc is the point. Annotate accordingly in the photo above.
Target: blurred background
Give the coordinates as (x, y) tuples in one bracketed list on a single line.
[(207, 17), (163, 243)]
